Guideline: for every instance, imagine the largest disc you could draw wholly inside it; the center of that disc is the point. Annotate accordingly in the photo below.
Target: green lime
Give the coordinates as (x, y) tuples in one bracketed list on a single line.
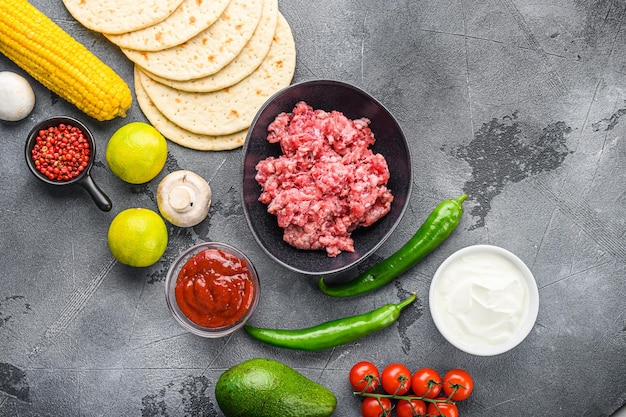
[(137, 237), (136, 152)]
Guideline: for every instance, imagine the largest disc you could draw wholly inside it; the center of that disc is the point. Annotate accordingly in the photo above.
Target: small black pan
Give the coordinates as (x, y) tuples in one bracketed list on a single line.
[(84, 178)]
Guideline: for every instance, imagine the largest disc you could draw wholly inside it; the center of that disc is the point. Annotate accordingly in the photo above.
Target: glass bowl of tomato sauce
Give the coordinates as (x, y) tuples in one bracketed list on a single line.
[(212, 289)]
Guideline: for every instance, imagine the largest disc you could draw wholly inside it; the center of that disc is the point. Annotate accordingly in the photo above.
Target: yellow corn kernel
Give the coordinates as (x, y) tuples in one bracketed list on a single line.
[(59, 62)]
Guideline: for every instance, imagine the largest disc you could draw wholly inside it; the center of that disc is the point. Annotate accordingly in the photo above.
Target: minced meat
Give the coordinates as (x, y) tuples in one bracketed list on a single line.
[(328, 181)]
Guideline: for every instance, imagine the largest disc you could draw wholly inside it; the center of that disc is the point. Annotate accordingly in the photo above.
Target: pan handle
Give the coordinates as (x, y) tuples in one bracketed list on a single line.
[(99, 197)]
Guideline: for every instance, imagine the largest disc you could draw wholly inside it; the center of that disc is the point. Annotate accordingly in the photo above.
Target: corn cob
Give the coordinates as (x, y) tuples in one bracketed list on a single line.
[(59, 62)]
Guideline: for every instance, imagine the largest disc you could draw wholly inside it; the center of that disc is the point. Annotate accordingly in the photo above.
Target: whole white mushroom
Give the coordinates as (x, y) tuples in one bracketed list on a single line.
[(184, 198), (17, 98)]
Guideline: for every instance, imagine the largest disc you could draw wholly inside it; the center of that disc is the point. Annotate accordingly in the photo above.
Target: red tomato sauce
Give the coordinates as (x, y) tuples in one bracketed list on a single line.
[(214, 288)]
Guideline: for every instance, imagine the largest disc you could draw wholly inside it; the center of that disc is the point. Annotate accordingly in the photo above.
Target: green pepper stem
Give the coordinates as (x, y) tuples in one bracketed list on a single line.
[(461, 199), (407, 301)]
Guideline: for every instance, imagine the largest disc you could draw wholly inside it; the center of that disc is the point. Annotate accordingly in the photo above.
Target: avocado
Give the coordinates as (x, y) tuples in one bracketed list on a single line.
[(264, 387)]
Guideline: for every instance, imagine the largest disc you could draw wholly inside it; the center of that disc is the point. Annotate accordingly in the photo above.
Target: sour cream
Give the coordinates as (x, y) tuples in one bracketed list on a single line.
[(480, 298)]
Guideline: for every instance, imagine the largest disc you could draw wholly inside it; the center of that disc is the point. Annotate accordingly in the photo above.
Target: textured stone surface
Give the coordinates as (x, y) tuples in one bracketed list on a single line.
[(520, 104)]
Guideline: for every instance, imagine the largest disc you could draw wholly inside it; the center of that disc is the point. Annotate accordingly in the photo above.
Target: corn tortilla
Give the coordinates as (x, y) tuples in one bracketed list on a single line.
[(179, 135), (210, 50), (120, 16), (244, 64), (189, 19), (231, 109)]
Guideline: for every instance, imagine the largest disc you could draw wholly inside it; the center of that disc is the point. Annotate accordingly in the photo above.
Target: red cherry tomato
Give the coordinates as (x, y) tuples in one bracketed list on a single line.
[(376, 407), (364, 377), (458, 384), (426, 382), (414, 408), (443, 409), (396, 379)]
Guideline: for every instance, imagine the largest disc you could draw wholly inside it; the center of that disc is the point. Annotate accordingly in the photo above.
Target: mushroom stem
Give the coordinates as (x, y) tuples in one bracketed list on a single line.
[(181, 198)]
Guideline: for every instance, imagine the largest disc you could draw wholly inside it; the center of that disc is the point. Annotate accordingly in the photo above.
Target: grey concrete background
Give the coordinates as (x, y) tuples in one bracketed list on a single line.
[(519, 103)]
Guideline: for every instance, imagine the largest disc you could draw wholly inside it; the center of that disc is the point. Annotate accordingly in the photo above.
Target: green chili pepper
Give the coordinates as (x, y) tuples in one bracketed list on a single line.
[(437, 227), (332, 333)]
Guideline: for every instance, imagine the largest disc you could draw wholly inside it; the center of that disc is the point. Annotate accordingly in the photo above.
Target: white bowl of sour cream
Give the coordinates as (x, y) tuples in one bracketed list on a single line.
[(484, 300)]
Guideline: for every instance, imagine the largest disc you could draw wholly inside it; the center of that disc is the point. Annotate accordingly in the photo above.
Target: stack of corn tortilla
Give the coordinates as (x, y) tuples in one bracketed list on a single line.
[(203, 68)]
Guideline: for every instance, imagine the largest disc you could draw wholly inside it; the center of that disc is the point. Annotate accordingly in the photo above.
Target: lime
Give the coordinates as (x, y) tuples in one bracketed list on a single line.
[(136, 152), (137, 237)]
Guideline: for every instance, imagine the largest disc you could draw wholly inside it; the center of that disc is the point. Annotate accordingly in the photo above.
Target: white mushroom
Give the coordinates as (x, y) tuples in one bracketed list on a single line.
[(17, 98), (184, 198)]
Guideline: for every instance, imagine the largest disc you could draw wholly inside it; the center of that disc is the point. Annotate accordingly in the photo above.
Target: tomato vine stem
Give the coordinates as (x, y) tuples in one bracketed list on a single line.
[(404, 397)]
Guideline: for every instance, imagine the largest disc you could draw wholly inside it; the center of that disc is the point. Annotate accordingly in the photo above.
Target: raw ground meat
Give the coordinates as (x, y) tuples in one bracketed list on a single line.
[(328, 181)]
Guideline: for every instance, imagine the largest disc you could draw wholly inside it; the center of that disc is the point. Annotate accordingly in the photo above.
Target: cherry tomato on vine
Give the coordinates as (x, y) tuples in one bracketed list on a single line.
[(426, 382), (441, 409), (458, 384), (396, 379), (364, 377), (375, 407), (414, 408)]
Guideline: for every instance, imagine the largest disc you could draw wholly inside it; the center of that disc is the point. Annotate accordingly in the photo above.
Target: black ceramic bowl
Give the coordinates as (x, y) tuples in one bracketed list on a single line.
[(390, 142), (84, 179)]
